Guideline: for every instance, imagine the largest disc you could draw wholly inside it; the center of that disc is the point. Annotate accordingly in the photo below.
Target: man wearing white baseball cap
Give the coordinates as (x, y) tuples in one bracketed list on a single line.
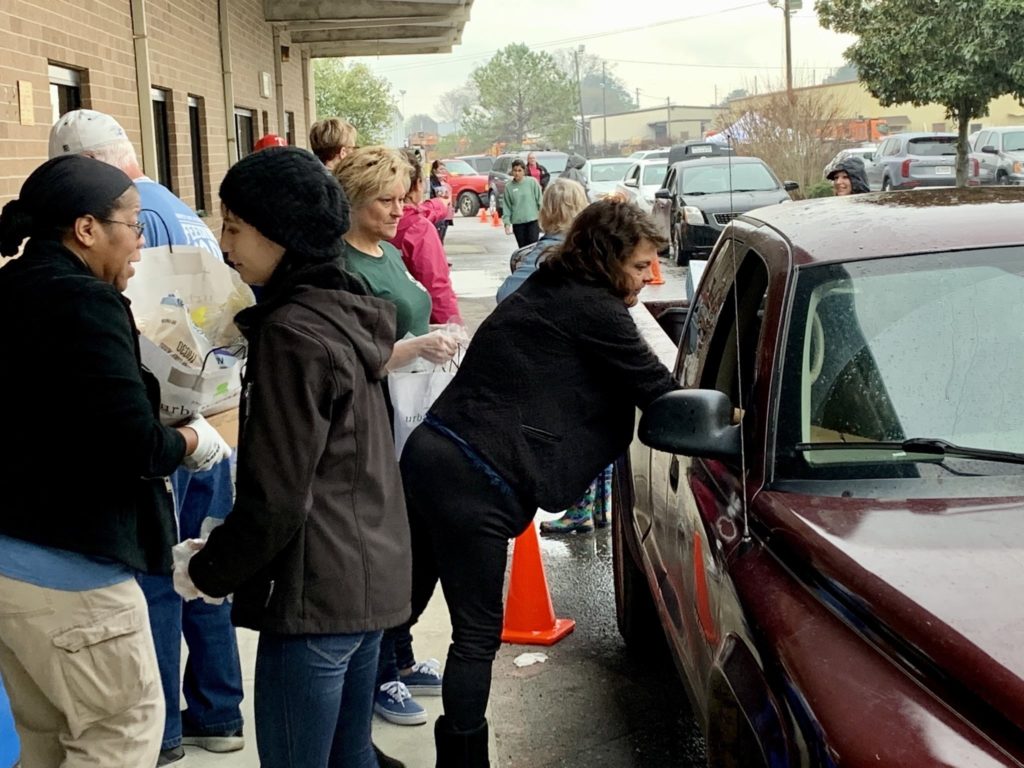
[(213, 677)]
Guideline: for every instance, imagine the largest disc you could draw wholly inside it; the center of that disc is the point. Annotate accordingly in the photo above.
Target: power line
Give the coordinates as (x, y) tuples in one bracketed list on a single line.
[(436, 61), (714, 66)]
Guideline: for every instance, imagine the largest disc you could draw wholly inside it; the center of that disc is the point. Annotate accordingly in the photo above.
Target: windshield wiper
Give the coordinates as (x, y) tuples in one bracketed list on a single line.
[(931, 446)]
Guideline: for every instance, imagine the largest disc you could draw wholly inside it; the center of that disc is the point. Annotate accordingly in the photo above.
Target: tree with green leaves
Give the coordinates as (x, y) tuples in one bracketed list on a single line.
[(957, 53), (354, 93), (523, 93)]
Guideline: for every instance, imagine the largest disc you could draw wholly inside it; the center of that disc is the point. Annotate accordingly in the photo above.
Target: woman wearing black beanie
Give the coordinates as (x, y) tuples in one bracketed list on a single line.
[(83, 473), (319, 517)]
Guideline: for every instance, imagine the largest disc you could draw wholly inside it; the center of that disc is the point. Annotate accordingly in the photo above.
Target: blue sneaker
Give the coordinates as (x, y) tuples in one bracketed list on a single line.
[(395, 704), (425, 678)]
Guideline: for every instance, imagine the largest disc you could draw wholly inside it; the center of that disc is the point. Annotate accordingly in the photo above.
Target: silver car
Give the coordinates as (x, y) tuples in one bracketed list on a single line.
[(603, 174), (642, 180)]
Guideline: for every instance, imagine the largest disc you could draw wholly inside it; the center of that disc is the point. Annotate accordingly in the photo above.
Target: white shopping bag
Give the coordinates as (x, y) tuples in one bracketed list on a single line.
[(412, 393), (199, 364)]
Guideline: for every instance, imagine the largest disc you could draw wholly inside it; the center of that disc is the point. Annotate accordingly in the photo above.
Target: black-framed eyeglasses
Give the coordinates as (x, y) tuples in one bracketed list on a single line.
[(139, 227)]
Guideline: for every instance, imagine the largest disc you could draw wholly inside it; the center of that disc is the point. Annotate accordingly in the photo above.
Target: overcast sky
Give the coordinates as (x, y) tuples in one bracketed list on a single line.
[(681, 50)]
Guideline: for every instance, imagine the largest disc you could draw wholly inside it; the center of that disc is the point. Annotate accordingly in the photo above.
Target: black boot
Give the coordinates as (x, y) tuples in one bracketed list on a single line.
[(460, 749), (386, 762)]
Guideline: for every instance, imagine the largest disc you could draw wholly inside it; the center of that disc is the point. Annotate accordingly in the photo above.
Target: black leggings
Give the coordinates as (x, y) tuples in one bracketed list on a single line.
[(461, 525), (526, 233)]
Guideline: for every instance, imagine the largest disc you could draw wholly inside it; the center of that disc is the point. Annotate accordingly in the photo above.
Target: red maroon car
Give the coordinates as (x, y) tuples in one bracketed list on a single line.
[(827, 520), (469, 188)]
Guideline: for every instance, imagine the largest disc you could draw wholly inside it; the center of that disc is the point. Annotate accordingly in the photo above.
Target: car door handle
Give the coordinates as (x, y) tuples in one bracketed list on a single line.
[(673, 473)]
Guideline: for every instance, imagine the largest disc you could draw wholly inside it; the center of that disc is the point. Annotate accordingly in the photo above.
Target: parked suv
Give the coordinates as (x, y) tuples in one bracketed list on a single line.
[(502, 170), (1000, 151), (909, 160), (702, 195)]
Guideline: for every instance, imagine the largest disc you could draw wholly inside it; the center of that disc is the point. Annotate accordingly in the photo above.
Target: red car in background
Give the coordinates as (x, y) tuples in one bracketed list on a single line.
[(469, 188)]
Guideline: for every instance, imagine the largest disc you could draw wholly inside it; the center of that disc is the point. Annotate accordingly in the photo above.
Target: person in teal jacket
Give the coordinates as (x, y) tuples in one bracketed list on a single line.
[(520, 205)]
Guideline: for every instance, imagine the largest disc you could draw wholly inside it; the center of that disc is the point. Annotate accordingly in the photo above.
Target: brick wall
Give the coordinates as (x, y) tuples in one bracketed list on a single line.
[(185, 61)]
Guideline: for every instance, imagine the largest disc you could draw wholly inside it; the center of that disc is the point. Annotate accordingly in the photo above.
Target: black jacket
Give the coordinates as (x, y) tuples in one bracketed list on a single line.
[(549, 387), (84, 458), (854, 168), (318, 540)]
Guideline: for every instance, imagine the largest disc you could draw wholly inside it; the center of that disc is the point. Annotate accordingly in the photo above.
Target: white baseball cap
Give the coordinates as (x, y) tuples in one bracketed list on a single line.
[(82, 130)]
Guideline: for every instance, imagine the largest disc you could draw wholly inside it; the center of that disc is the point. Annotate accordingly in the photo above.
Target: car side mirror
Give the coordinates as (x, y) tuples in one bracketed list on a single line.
[(790, 186), (663, 194), (988, 149), (629, 183), (691, 422)]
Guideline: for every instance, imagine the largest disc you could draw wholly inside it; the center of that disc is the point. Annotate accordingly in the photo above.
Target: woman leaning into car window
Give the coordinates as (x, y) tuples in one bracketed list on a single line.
[(543, 401)]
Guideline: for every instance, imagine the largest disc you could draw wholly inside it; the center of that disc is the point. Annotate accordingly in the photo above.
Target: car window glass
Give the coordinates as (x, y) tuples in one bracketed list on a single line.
[(608, 171), (893, 147), (983, 140), (460, 167), (634, 172), (710, 179), (860, 366), (1013, 141), (709, 357), (654, 173), (670, 180), (932, 146)]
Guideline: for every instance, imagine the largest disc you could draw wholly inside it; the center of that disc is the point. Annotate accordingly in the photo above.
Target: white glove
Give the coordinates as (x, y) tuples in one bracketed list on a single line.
[(182, 554), (211, 448)]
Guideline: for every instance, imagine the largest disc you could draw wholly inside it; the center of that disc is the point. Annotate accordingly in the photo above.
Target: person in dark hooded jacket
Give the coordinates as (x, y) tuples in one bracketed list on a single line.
[(848, 177), (319, 519), (573, 171)]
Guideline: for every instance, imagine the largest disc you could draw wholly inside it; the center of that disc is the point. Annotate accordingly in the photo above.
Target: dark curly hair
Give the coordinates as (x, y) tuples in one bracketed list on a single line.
[(600, 240)]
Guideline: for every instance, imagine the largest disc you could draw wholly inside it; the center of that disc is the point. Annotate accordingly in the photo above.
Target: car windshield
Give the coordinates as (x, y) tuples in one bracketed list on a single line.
[(709, 179), (609, 171), (924, 347), (1013, 142), (932, 146), (460, 167), (654, 174)]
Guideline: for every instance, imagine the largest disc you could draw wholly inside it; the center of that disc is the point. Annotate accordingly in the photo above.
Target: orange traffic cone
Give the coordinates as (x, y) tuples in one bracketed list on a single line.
[(529, 615), (495, 219), (656, 269), (483, 215)]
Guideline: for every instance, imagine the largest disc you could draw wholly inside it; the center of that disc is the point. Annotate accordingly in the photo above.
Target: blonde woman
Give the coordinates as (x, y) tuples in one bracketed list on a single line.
[(561, 203), (331, 140), (376, 181)]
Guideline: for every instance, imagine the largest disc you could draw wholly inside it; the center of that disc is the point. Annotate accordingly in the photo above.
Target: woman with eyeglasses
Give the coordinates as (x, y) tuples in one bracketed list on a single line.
[(83, 476)]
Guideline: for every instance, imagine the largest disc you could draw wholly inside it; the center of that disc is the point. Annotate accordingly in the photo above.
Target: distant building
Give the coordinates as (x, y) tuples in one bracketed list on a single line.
[(653, 127)]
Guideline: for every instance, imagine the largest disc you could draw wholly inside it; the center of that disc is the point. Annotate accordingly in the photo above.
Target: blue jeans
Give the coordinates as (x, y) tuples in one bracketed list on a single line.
[(213, 674), (314, 700), (395, 653)]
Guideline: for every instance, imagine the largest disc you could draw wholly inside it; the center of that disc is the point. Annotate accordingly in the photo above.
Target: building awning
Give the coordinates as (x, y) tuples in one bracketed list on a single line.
[(343, 28)]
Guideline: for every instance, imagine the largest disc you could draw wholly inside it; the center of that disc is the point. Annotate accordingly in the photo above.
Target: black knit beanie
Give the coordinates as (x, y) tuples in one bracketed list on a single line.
[(292, 199)]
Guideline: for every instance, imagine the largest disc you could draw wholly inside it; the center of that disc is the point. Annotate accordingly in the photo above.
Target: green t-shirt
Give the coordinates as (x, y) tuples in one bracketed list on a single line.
[(388, 279)]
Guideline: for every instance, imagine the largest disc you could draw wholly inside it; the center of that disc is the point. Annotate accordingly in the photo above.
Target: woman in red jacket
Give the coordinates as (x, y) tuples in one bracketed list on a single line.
[(421, 246)]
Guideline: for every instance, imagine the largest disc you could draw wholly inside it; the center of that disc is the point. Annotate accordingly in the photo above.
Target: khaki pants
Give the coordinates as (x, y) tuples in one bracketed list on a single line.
[(81, 673)]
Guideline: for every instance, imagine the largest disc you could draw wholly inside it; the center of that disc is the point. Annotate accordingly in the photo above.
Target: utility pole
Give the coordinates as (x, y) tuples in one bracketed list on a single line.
[(604, 104), (668, 120), (788, 6), (579, 88)]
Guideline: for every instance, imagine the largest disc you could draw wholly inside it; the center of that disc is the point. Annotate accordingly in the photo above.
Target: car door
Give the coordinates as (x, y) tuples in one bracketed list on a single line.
[(664, 205), (695, 521), (629, 187), (873, 170), (988, 160)]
